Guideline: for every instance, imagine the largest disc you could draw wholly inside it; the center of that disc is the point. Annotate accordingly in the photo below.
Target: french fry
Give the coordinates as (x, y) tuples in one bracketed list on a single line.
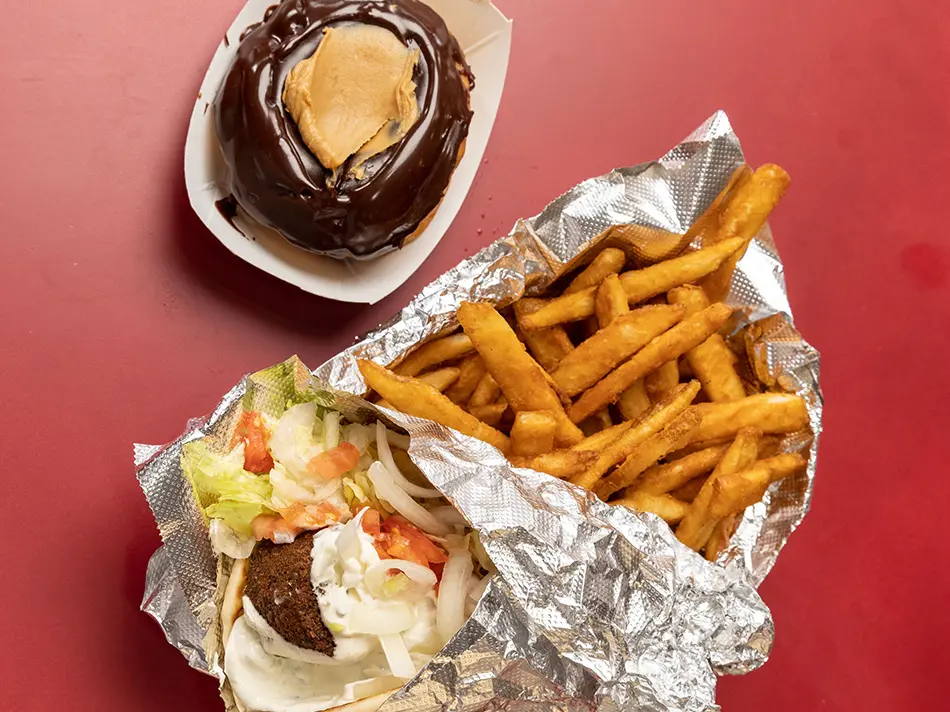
[(617, 450), (649, 244), (433, 353), (610, 346), (471, 370), (667, 508), (712, 361), (690, 448), (660, 479), (719, 539), (610, 301), (548, 346), (699, 522), (598, 441), (743, 215), (668, 346), (662, 380), (733, 493), (638, 284), (634, 401), (522, 380), (654, 245), (532, 433), (560, 463), (609, 261), (713, 364), (490, 414), (768, 446), (599, 421), (687, 493), (417, 398), (647, 453), (485, 393), (386, 404), (773, 413), (662, 277), (441, 379), (686, 373), (692, 298)]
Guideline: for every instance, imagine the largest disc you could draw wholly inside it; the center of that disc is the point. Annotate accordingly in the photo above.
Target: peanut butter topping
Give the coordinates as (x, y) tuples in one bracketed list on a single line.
[(354, 95)]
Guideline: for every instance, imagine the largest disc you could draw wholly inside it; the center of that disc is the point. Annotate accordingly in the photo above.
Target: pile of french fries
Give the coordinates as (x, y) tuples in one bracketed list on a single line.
[(623, 382)]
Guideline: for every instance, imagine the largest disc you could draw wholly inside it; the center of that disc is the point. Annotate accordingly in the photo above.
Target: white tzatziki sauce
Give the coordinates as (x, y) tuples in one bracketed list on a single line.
[(269, 674)]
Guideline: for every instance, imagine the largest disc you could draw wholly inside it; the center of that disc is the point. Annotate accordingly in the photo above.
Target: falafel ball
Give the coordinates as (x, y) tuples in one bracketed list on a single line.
[(279, 586)]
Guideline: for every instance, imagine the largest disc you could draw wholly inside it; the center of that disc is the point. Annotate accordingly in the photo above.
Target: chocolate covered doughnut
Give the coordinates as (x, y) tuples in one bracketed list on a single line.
[(365, 206)]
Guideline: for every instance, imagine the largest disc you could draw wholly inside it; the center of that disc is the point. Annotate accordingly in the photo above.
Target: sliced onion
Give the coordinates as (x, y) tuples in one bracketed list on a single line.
[(331, 430), (477, 586), (397, 655), (449, 515), (453, 590), (391, 617), (386, 457), (397, 440), (387, 489), (348, 540), (376, 574)]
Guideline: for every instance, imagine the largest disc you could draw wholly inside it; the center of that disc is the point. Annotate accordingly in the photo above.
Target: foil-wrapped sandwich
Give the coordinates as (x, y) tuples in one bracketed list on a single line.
[(577, 474)]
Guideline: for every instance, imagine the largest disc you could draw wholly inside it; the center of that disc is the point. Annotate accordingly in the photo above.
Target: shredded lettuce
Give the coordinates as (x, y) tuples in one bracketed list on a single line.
[(225, 490)]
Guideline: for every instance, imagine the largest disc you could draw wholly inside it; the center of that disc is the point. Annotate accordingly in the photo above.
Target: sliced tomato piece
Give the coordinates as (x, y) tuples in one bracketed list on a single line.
[(334, 462), (252, 431), (311, 516), (410, 543), (273, 527)]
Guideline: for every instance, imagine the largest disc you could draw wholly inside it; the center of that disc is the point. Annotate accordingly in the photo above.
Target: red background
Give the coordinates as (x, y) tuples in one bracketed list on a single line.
[(122, 316)]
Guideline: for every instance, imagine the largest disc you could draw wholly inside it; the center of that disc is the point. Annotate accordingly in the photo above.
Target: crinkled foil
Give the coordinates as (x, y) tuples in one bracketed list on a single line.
[(595, 607)]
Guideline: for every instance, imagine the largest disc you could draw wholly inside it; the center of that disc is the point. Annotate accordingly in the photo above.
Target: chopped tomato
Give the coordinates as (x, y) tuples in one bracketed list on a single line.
[(400, 539), (370, 522), (252, 431), (311, 516), (273, 527), (334, 462)]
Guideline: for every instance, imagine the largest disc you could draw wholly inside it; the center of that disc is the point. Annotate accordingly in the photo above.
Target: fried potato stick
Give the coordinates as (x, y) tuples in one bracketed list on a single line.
[(414, 397), (634, 401), (733, 493), (549, 345), (616, 451), (638, 284), (471, 370), (433, 353), (676, 474), (743, 215), (667, 508), (522, 380), (610, 261), (712, 362), (610, 301), (773, 413), (668, 346), (441, 379), (560, 463), (597, 356), (699, 522), (533, 433), (647, 453)]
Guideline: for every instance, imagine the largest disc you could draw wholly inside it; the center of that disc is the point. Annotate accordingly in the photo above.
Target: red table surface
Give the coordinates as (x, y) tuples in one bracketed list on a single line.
[(123, 316)]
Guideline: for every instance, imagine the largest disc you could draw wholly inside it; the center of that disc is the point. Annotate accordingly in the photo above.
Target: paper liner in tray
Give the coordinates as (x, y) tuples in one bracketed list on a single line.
[(484, 34)]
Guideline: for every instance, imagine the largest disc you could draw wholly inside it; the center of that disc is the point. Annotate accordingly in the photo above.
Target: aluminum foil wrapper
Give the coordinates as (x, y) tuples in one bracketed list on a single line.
[(594, 607)]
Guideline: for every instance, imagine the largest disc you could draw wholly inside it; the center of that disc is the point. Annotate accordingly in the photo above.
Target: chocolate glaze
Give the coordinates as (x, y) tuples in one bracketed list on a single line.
[(276, 178)]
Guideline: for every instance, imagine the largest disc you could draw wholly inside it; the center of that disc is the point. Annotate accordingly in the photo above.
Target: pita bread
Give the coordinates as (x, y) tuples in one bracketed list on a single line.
[(232, 608)]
